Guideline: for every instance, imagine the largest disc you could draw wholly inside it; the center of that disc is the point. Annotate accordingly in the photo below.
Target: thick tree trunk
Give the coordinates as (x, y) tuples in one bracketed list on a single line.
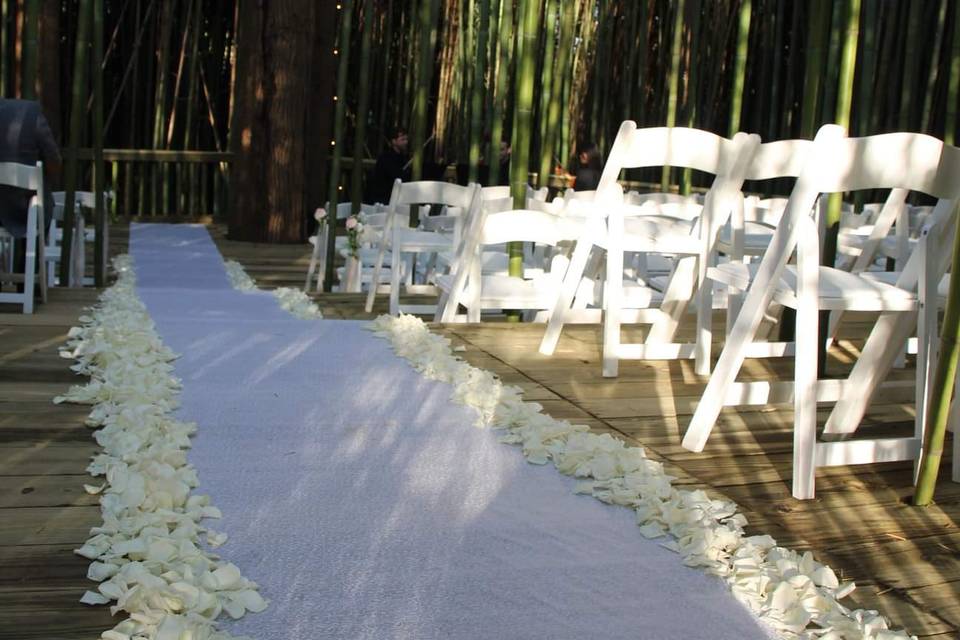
[(273, 78)]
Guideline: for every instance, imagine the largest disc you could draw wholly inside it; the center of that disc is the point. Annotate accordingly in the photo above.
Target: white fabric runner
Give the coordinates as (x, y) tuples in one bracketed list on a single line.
[(366, 505)]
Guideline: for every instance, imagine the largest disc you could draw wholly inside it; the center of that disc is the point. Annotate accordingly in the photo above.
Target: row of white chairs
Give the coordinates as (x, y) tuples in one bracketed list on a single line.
[(43, 247), (631, 258)]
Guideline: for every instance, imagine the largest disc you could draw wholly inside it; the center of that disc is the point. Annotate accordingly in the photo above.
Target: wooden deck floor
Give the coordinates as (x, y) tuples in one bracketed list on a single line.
[(905, 560)]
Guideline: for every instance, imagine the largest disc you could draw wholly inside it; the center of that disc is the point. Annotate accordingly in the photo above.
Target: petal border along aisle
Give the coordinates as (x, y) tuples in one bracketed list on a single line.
[(791, 592), (147, 554)]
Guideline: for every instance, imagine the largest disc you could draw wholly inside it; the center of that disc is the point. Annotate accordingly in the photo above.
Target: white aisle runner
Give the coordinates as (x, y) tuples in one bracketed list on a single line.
[(366, 505)]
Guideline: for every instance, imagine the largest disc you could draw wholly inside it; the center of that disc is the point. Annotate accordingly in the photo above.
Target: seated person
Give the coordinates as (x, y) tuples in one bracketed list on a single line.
[(25, 138), (392, 163), (589, 166)]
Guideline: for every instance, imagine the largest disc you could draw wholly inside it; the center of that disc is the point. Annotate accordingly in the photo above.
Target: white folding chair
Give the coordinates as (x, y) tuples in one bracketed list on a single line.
[(400, 238), (28, 177), (838, 164), (746, 236), (318, 242), (83, 200), (650, 233), (476, 291)]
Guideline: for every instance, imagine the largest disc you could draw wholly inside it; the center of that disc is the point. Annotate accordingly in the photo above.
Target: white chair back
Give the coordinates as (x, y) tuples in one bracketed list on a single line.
[(31, 178)]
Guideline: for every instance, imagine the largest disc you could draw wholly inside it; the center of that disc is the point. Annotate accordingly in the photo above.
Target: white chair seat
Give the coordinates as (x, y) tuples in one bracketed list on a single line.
[(756, 239), (837, 289), (415, 240), (667, 235)]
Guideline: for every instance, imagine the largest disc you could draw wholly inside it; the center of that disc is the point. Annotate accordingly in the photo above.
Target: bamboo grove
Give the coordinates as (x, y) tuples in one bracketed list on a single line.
[(164, 69), (454, 71), (464, 75)]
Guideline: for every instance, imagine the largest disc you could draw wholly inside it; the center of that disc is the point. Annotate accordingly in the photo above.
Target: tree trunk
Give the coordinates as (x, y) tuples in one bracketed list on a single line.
[(274, 73)]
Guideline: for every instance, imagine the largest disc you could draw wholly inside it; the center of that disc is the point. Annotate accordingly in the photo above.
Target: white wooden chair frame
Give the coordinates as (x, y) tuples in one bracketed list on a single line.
[(679, 147), (836, 163), (28, 177), (401, 239), (480, 284)]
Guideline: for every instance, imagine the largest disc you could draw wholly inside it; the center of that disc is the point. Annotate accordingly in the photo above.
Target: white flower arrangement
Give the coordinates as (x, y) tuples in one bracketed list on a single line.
[(147, 554), (355, 228), (293, 300), (790, 592)]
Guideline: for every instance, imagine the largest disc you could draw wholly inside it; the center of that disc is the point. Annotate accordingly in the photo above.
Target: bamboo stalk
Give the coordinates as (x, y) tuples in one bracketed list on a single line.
[(333, 193), (31, 29), (673, 81), (953, 89), (816, 30), (181, 66), (492, 149), (553, 129), (940, 28), (101, 247), (690, 99), (503, 77), (867, 68), (393, 57), (911, 59), (363, 107), (941, 391), (418, 138), (77, 113), (191, 103), (740, 67), (5, 70), (524, 85), (476, 106)]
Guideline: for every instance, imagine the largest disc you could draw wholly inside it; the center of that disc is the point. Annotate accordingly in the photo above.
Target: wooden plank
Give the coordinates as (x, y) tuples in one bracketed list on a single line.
[(46, 458), (51, 613), (48, 525), (45, 491)]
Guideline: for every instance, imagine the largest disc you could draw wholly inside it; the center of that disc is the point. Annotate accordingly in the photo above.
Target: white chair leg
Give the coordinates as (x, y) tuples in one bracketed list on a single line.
[(881, 349), (728, 365), (395, 282), (805, 403), (612, 303), (568, 289), (375, 280), (704, 343), (30, 260), (680, 290)]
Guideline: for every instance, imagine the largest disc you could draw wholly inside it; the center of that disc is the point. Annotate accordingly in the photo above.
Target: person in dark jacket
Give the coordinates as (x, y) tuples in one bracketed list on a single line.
[(588, 169), (392, 163), (25, 138)]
